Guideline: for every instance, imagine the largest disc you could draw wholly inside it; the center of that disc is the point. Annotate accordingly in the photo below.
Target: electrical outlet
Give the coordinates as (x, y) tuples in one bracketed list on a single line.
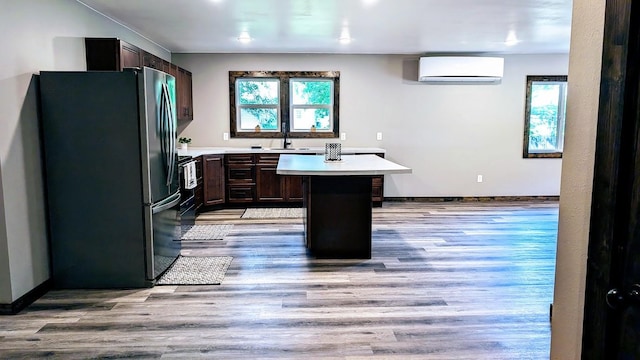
[(379, 136), (225, 136), (343, 136), (479, 178)]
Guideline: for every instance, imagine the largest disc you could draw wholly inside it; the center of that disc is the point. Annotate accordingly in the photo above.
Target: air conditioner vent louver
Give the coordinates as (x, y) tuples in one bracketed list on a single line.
[(460, 69)]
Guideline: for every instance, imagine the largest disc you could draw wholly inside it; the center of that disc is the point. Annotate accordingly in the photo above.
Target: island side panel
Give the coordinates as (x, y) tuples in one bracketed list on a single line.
[(338, 221)]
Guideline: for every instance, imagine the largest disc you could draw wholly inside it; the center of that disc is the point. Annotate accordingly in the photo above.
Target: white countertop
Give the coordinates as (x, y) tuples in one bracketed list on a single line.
[(315, 165), (197, 151)]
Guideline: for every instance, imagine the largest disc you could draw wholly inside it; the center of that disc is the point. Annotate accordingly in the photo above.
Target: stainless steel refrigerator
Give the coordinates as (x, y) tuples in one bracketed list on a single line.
[(112, 189)]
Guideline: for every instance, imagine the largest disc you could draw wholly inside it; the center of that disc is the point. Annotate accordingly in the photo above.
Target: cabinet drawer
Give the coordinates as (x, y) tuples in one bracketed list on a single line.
[(239, 159), (240, 173), (267, 159), (241, 193)]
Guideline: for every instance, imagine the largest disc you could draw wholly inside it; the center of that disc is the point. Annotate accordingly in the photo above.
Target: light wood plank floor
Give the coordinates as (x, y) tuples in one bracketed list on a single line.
[(446, 281)]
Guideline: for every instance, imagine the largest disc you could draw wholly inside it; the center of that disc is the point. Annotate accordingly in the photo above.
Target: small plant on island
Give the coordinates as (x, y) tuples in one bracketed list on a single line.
[(184, 140)]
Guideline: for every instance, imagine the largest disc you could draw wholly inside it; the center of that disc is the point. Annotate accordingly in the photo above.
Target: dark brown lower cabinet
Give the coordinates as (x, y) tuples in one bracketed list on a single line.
[(377, 189), (214, 189), (253, 178), (241, 178), (294, 188), (271, 187), (338, 216)]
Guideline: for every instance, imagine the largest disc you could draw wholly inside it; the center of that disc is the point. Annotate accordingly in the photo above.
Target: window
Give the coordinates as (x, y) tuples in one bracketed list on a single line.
[(311, 104), (267, 104), (546, 107), (258, 104)]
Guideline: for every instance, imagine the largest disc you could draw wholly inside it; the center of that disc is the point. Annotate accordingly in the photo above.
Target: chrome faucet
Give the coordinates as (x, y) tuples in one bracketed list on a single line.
[(285, 132)]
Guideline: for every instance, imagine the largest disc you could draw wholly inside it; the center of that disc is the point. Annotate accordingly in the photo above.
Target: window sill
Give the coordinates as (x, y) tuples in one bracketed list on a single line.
[(542, 155), (279, 135)]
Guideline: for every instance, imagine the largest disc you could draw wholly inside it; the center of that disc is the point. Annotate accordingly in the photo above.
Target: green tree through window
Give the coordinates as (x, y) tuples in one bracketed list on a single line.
[(545, 116), (311, 104), (258, 101)]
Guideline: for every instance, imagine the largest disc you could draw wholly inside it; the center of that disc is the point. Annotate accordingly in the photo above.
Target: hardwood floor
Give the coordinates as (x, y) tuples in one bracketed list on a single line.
[(446, 281)]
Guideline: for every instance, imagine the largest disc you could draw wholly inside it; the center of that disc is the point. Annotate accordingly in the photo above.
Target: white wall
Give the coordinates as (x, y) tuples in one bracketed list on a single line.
[(448, 134), (37, 35), (577, 178)]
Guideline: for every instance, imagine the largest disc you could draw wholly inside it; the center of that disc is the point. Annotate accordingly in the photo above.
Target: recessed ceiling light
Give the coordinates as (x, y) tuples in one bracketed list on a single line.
[(244, 37), (512, 39), (345, 36), (369, 2)]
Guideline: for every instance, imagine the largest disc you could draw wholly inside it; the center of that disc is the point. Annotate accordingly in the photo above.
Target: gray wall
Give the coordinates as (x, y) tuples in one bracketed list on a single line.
[(37, 35), (448, 134)]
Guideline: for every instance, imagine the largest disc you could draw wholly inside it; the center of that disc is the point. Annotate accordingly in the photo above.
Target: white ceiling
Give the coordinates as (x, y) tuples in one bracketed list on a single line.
[(376, 26)]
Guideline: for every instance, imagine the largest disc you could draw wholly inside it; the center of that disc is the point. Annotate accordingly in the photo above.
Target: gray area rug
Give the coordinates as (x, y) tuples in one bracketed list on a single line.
[(196, 270), (206, 232), (273, 213)]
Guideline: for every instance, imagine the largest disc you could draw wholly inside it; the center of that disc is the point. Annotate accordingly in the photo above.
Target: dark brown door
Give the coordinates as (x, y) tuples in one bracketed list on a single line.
[(130, 55), (213, 179), (270, 185), (611, 328), (294, 189)]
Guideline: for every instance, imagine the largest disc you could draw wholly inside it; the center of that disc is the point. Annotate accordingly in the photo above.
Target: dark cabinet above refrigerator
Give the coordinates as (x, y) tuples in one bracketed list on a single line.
[(112, 54)]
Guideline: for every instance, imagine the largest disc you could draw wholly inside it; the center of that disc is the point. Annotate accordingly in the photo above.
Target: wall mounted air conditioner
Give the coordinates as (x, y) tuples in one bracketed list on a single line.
[(460, 69)]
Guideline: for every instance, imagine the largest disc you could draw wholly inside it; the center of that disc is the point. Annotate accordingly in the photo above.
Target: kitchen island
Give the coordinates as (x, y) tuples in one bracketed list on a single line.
[(337, 199)]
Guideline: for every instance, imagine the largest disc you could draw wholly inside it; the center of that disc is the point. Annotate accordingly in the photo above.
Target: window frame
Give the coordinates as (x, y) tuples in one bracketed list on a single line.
[(285, 100), (527, 123)]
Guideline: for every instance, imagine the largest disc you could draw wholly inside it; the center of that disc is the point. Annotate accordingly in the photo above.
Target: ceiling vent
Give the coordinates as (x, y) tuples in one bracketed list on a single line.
[(460, 69)]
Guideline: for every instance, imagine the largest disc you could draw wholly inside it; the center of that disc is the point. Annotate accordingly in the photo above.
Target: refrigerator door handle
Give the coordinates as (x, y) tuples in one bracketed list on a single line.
[(172, 133), (169, 133), (167, 203), (162, 129)]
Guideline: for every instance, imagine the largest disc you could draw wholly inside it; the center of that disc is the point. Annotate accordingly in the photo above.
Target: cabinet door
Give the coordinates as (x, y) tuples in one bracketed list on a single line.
[(130, 56), (152, 61), (377, 186), (213, 179), (173, 70), (185, 96), (294, 190), (106, 54), (166, 66), (270, 185)]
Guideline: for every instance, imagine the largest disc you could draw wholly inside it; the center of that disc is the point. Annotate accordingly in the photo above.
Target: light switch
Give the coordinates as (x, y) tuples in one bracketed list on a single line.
[(225, 136), (343, 136), (379, 136), (479, 178)]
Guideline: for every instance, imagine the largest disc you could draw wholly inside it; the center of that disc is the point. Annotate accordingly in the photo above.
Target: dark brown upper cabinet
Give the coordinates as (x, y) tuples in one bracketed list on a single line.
[(112, 54), (109, 54)]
